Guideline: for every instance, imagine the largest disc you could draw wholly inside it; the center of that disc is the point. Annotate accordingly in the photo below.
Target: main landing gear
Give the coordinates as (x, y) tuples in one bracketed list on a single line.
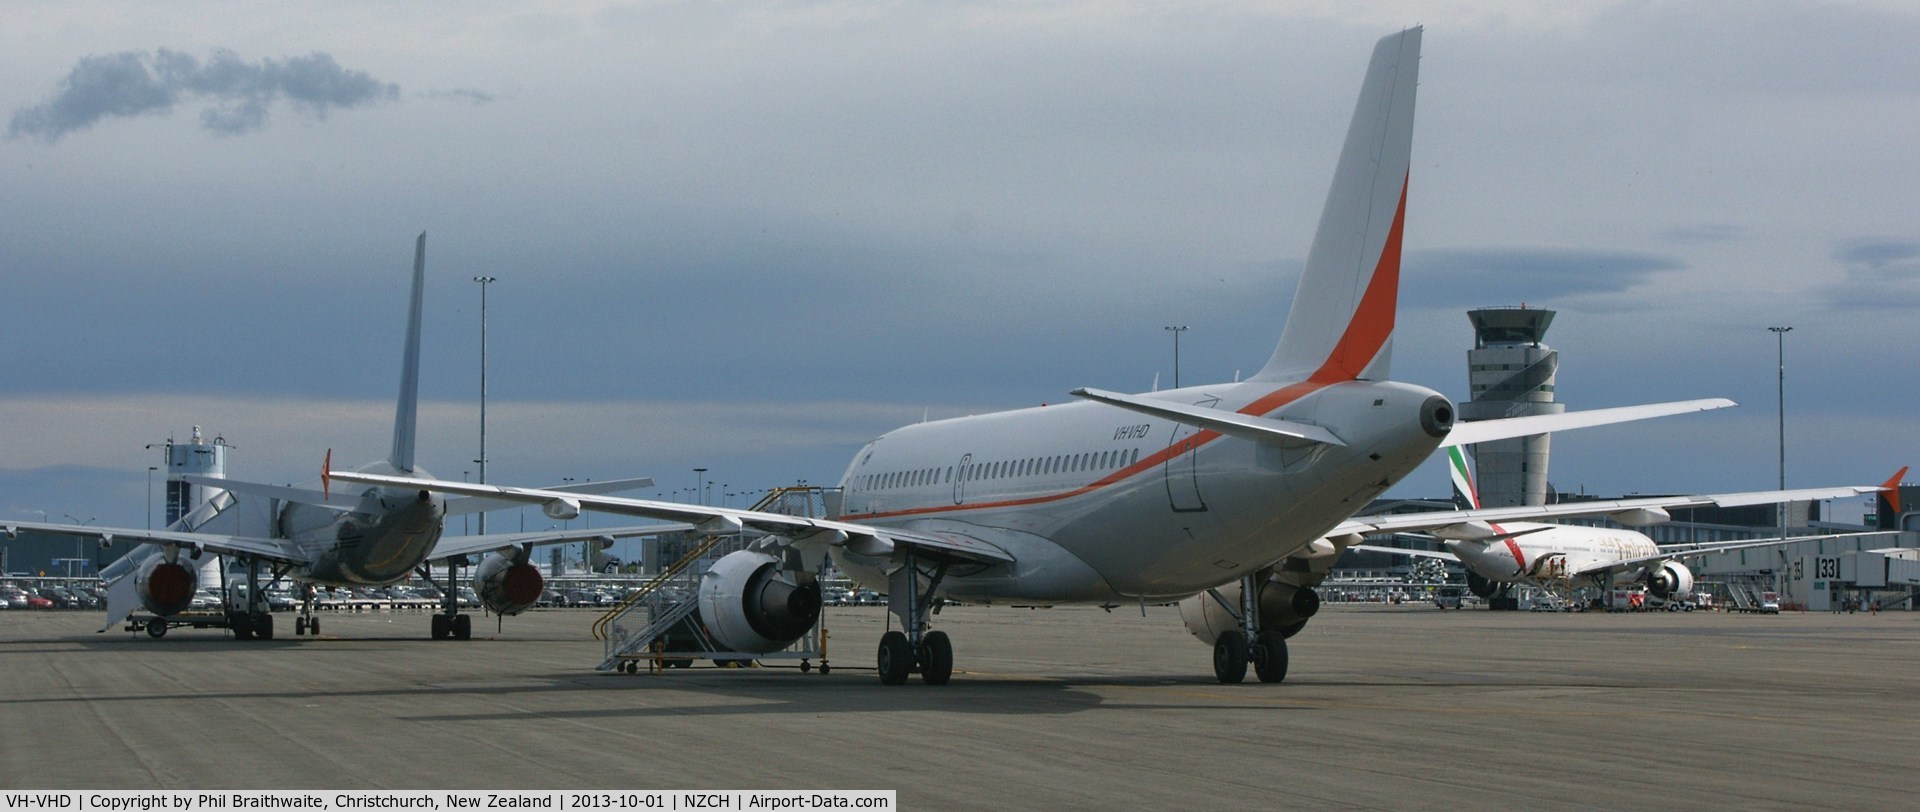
[(449, 623), (1265, 650), (253, 619), (903, 653), (306, 623)]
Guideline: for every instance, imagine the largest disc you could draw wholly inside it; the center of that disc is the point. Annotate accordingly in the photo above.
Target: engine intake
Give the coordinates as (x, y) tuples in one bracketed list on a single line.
[(1283, 607), (1672, 582), (166, 587), (749, 604)]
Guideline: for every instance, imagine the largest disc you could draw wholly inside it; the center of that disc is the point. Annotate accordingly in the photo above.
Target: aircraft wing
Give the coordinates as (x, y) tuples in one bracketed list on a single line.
[(269, 549), (1372, 548), (863, 539), (1640, 510), (1480, 431), (1671, 552), (473, 504), (450, 546)]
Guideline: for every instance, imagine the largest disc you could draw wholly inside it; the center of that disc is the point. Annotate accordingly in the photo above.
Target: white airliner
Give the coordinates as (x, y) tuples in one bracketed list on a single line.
[(1498, 554), (378, 536), (1234, 496)]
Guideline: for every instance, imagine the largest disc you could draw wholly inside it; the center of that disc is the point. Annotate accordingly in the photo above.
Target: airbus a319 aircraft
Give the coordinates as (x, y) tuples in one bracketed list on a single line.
[(1498, 553), (1232, 497), (374, 537)]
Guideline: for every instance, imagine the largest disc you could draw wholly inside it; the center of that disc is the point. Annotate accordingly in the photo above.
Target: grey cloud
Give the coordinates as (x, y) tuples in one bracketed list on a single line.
[(463, 95), (1468, 277), (1881, 274), (1704, 233), (128, 84)]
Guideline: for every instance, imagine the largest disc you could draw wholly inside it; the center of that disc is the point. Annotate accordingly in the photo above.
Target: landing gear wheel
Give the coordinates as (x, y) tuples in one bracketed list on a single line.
[(313, 626), (937, 654), (242, 626), (299, 626), (156, 628), (441, 627), (1270, 657), (825, 669), (263, 626), (463, 627), (896, 658), (806, 666), (1230, 658)]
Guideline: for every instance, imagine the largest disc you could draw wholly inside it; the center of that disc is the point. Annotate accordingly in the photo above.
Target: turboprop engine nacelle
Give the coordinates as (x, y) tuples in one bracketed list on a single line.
[(1672, 581), (506, 583), (1283, 607), (749, 603), (165, 587)]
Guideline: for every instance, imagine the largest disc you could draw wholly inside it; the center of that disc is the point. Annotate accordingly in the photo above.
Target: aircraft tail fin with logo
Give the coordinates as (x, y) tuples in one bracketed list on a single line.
[(1466, 495)]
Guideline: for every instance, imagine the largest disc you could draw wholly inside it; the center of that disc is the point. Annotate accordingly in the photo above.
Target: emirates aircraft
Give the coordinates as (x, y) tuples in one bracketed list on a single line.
[(1498, 554), (1233, 497), (373, 537)]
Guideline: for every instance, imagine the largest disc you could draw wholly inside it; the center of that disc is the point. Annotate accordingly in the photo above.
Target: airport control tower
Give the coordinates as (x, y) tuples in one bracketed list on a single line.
[(1510, 374), (198, 457)]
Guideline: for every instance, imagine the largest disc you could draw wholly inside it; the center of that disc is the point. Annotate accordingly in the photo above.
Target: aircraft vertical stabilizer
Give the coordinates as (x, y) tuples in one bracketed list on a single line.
[(408, 410), (1342, 316), (1465, 494)]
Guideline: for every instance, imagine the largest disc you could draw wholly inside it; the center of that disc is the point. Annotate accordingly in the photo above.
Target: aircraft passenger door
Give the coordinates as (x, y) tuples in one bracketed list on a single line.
[(960, 479), (1182, 474)]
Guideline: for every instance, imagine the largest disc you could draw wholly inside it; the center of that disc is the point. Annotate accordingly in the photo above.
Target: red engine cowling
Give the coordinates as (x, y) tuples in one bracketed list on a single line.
[(166, 587), (507, 584), (1672, 581)]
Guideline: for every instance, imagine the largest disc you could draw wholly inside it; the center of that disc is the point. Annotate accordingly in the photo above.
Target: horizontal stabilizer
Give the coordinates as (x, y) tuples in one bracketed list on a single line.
[(284, 493), (1235, 424), (1481, 431)]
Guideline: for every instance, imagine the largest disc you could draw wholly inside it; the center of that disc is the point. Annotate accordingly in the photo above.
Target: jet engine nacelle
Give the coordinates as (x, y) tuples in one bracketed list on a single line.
[(165, 587), (1672, 582), (507, 584), (749, 603), (1283, 607), (1481, 586)]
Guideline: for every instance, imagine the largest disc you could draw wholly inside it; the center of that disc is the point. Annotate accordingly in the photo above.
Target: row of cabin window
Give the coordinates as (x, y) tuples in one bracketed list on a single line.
[(1091, 460)]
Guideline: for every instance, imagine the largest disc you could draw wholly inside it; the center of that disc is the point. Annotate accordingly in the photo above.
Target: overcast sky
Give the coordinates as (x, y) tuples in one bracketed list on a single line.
[(749, 237)]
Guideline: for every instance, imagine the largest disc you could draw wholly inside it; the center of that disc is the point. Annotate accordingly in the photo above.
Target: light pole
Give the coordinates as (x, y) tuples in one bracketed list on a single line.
[(1780, 336), (150, 470), (1176, 331), (700, 485), (482, 462)]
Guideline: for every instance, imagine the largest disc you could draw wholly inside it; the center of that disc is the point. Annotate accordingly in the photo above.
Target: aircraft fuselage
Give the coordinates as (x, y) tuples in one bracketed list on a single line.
[(1102, 504), (379, 541)]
